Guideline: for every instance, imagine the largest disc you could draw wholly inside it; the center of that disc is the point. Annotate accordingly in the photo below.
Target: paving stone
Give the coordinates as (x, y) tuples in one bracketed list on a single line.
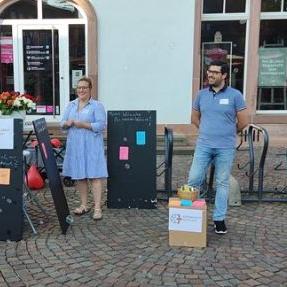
[(129, 247)]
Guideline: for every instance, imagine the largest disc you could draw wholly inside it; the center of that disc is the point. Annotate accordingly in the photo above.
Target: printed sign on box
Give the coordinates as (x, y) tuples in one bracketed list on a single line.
[(189, 220)]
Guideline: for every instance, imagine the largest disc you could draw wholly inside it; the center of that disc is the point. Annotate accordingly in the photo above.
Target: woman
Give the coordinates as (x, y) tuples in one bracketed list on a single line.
[(85, 121)]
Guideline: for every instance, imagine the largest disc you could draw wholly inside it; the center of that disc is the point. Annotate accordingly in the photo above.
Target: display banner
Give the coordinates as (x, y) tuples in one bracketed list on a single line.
[(52, 171)]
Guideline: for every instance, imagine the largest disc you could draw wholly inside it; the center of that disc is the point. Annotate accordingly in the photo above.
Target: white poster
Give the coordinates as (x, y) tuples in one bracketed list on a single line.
[(7, 133), (181, 219), (76, 76)]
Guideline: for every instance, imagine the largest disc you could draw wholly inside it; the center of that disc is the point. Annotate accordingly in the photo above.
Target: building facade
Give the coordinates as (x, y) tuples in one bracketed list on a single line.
[(145, 54)]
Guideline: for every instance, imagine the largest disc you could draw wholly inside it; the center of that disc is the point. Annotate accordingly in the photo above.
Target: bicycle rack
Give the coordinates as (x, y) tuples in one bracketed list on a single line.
[(167, 163)]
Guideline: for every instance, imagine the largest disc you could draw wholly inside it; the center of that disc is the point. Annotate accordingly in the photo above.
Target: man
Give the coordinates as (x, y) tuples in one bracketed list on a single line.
[(219, 112)]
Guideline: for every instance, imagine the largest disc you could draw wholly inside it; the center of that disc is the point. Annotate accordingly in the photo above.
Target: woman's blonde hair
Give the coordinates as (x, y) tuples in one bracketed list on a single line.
[(87, 80)]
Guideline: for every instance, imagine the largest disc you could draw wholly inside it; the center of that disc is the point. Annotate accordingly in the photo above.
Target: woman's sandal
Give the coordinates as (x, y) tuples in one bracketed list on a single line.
[(81, 210), (97, 214)]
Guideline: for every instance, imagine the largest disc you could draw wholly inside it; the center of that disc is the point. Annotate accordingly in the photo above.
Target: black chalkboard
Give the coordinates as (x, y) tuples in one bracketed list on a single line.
[(11, 192), (131, 157), (53, 175)]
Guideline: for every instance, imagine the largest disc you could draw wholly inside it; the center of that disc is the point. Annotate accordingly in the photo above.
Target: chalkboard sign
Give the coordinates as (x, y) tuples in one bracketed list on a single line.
[(53, 175), (11, 179), (272, 67), (131, 159)]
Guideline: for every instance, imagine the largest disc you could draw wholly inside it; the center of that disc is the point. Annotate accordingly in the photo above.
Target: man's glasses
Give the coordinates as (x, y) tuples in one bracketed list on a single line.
[(83, 88), (213, 72)]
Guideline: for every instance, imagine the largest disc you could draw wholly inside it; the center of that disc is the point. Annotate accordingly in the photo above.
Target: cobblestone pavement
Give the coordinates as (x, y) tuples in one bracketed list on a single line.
[(129, 247)]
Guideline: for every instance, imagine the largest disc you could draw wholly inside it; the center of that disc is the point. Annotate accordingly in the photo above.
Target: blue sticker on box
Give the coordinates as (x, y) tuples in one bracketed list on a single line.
[(140, 138), (185, 202)]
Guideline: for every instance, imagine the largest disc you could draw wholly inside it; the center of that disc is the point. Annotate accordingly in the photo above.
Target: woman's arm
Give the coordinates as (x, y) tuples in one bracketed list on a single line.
[(66, 122), (100, 120)]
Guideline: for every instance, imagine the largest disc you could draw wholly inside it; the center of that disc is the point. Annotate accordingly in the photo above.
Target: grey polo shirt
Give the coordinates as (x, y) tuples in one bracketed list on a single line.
[(217, 127)]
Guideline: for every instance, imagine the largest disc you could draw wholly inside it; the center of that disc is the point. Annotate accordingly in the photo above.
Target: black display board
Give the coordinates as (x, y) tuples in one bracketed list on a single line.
[(11, 182), (52, 171), (131, 159)]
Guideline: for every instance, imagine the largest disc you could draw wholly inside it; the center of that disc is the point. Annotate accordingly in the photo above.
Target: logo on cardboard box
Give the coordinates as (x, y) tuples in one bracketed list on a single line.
[(185, 220)]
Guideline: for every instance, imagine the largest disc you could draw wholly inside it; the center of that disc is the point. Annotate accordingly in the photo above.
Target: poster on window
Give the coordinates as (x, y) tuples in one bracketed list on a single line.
[(272, 67), (6, 49), (214, 51), (37, 47)]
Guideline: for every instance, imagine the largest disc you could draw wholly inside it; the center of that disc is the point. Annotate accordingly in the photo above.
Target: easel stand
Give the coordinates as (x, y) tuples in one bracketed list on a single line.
[(28, 195)]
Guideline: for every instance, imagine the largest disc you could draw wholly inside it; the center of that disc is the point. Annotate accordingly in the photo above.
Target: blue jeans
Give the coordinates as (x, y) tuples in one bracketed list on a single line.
[(222, 159)]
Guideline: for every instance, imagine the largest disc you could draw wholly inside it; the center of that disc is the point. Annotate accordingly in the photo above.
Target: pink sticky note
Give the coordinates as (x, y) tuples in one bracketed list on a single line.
[(49, 109), (124, 153), (198, 203)]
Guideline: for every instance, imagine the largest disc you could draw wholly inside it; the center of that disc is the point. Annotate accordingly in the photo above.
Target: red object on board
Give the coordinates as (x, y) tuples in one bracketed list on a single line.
[(34, 178)]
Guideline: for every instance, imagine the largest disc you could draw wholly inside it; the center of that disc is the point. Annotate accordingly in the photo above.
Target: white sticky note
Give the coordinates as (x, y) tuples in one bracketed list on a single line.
[(185, 219), (7, 133)]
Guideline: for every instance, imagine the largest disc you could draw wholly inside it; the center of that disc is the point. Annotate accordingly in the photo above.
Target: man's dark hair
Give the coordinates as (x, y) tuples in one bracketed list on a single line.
[(224, 66)]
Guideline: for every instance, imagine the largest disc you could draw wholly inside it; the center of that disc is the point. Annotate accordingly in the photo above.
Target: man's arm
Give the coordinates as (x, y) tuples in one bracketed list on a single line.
[(242, 119), (195, 117)]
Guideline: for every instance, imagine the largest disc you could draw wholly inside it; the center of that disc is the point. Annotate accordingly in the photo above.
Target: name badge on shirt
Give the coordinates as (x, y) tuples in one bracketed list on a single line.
[(224, 101), (85, 111)]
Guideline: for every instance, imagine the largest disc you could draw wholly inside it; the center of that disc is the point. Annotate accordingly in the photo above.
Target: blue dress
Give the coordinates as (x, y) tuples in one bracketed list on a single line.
[(85, 153)]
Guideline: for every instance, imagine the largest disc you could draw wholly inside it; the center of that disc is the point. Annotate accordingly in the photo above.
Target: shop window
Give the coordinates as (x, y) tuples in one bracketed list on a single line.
[(223, 6), (224, 40), (59, 9), (27, 9), (213, 6), (24, 9), (237, 6), (271, 5), (6, 58), (77, 56), (272, 65)]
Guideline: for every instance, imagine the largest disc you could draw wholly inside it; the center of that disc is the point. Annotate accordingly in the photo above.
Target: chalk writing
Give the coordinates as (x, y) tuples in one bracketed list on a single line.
[(10, 161)]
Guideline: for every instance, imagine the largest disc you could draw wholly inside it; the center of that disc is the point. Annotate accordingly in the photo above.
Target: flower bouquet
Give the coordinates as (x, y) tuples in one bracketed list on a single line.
[(15, 102)]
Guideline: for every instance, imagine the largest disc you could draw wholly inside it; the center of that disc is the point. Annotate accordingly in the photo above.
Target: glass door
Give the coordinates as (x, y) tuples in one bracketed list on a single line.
[(43, 62)]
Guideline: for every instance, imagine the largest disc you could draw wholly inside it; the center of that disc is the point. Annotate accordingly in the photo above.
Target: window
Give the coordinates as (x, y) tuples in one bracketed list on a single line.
[(6, 58), (28, 9), (25, 9), (213, 6), (59, 9), (77, 56), (224, 40), (223, 6), (271, 5), (272, 65)]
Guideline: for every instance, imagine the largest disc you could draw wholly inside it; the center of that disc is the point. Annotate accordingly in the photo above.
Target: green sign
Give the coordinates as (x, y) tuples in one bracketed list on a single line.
[(272, 67)]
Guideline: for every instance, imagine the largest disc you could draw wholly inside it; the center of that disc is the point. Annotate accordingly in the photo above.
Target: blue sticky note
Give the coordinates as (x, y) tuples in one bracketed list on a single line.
[(140, 138), (186, 202)]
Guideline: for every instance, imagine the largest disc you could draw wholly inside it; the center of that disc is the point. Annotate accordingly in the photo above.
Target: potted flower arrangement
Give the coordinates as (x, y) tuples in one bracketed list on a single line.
[(11, 102)]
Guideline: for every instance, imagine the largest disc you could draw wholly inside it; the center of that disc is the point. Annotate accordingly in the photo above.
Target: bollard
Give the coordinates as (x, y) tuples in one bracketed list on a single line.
[(234, 198)]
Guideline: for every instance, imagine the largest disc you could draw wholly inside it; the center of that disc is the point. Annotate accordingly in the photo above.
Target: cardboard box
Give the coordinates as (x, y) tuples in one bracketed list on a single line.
[(187, 224)]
